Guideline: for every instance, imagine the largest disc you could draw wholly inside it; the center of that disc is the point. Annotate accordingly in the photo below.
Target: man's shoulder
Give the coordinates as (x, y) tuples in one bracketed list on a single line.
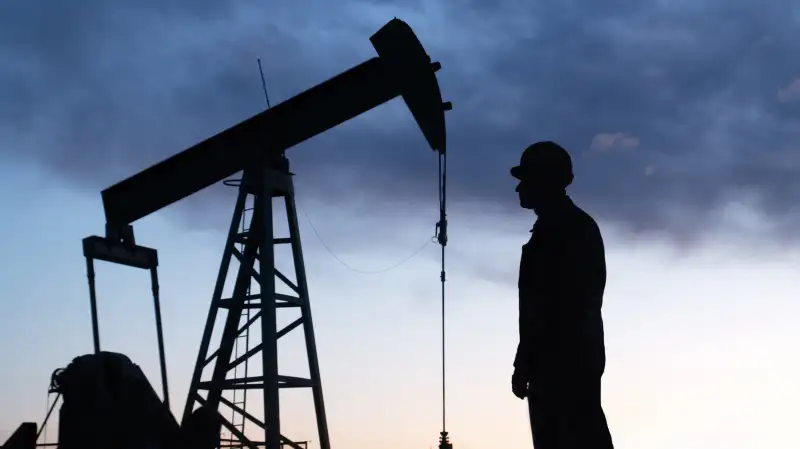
[(571, 220), (583, 219), (579, 225)]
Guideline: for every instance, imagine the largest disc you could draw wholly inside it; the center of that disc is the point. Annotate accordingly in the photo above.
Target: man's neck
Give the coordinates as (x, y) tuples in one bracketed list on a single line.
[(552, 205)]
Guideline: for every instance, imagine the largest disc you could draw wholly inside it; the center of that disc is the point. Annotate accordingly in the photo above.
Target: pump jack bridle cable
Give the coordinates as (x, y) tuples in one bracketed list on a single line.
[(441, 236)]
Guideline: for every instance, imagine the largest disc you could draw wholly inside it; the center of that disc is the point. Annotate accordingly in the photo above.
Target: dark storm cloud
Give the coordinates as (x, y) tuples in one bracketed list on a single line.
[(669, 108)]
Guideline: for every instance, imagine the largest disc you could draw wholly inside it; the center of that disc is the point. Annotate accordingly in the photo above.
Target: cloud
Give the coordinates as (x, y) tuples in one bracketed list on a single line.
[(790, 93), (98, 91), (609, 141)]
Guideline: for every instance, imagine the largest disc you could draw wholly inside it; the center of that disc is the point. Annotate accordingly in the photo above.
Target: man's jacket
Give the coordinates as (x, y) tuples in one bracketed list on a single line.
[(562, 277)]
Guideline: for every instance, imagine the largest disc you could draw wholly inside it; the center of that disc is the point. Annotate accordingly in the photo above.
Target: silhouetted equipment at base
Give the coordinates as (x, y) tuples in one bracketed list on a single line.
[(444, 441), (108, 403), (257, 148), (22, 438)]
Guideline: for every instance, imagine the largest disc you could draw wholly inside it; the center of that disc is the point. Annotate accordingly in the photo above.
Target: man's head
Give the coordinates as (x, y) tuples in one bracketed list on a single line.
[(544, 172)]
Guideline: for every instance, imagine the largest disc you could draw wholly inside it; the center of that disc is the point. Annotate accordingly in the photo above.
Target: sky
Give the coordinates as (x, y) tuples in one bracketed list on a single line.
[(681, 118)]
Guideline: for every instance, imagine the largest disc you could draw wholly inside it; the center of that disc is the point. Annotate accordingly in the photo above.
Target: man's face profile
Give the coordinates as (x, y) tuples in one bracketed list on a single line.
[(534, 188), (529, 192)]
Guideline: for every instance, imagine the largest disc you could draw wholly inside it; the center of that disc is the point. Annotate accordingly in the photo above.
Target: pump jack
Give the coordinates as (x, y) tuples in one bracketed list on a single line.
[(257, 148)]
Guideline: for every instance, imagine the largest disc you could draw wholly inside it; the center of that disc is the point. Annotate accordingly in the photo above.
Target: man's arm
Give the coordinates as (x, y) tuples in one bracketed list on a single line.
[(525, 313), (521, 360)]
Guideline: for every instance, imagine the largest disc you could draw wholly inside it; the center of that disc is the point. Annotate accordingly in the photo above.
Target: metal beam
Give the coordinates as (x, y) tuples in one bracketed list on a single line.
[(403, 68), (276, 129)]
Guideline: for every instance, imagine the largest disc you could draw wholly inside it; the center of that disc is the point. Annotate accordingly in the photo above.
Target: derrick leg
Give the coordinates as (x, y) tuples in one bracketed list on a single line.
[(269, 326), (311, 342), (255, 289)]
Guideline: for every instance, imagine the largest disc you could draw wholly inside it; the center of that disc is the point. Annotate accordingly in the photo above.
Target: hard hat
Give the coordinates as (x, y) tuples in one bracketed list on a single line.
[(547, 161)]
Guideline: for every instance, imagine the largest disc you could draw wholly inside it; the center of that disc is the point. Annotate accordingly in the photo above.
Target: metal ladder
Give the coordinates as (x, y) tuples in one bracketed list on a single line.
[(241, 346)]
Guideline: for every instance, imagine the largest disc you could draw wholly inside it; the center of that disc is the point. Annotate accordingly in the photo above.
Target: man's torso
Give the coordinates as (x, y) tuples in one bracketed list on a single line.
[(561, 284)]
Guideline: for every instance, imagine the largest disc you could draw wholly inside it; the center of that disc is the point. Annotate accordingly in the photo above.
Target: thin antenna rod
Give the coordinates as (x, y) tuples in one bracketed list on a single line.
[(263, 83)]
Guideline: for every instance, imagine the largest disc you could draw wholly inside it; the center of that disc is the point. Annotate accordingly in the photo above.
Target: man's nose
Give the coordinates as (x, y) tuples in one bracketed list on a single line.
[(517, 189)]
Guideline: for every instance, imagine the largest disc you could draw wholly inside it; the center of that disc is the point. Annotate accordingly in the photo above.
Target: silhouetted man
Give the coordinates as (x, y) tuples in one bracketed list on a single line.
[(561, 354)]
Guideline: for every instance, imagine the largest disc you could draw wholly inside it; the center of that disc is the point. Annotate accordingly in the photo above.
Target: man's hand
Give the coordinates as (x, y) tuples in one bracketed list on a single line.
[(519, 383)]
